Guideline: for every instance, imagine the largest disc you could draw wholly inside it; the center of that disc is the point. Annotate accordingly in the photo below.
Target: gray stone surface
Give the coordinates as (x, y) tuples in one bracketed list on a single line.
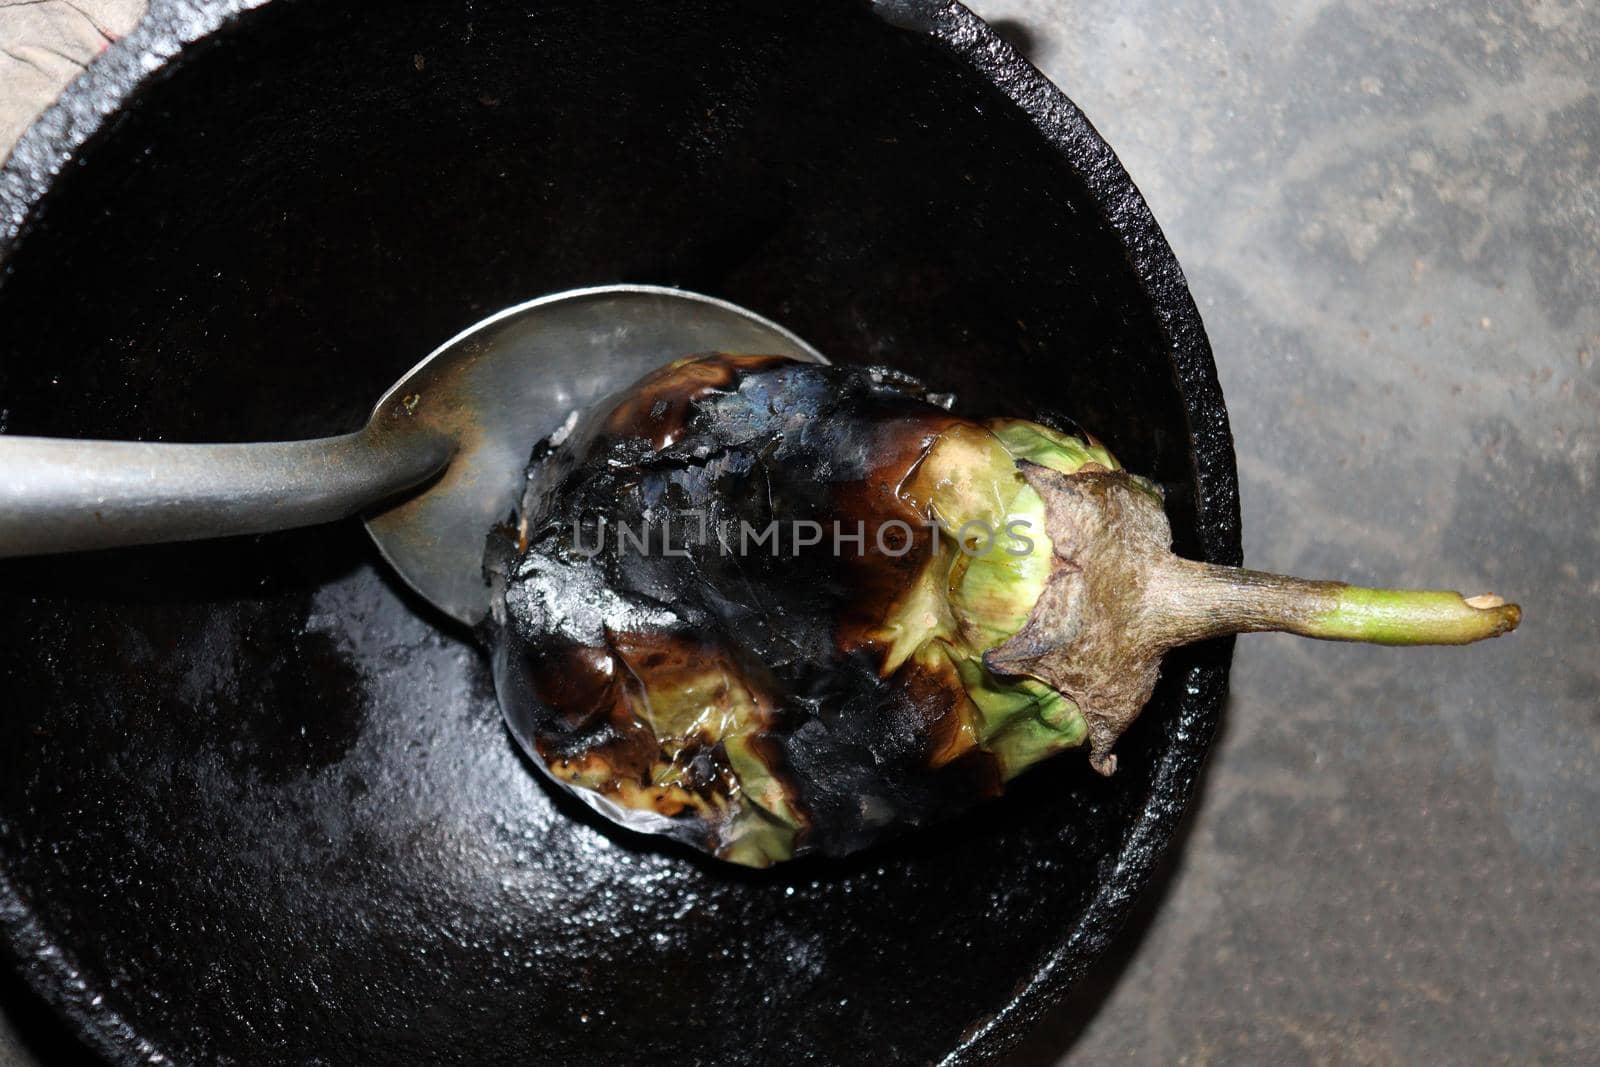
[(1390, 216), (44, 44)]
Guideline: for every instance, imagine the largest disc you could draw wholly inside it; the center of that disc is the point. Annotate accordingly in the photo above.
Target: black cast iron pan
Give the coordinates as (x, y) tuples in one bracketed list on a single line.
[(256, 803)]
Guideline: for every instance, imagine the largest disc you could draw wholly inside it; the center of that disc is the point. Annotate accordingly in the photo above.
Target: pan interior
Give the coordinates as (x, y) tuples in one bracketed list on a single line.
[(255, 793)]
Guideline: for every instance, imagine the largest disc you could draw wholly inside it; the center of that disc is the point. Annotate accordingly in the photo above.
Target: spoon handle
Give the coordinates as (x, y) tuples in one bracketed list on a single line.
[(63, 495)]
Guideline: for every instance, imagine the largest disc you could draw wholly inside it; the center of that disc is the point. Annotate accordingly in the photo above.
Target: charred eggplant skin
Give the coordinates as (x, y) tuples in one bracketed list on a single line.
[(802, 719), (772, 608)]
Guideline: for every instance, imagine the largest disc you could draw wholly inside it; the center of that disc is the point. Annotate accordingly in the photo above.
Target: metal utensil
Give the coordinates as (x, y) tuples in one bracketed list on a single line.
[(460, 425)]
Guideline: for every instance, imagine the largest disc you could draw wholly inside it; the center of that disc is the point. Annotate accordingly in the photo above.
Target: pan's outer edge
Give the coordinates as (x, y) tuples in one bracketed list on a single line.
[(1175, 779), (49, 145), (53, 141), (43, 151)]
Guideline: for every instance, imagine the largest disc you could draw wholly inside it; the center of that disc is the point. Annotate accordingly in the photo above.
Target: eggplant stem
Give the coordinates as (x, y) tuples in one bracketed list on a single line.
[(1192, 601), (1117, 599)]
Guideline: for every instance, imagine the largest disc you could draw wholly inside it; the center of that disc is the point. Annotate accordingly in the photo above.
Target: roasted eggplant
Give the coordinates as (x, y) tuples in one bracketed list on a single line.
[(771, 608)]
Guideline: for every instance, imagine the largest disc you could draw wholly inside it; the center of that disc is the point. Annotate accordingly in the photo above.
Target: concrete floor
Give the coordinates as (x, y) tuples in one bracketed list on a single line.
[(1390, 216)]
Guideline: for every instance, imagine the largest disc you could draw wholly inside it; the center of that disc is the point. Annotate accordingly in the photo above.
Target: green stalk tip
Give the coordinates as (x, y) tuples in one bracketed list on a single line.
[(1201, 600), (1413, 617)]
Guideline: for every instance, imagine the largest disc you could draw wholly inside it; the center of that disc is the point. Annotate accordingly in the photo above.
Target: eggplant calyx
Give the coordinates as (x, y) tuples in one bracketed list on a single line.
[(1117, 599)]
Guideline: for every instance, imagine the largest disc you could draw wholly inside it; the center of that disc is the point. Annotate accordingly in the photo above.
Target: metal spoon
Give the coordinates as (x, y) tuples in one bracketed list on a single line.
[(460, 425)]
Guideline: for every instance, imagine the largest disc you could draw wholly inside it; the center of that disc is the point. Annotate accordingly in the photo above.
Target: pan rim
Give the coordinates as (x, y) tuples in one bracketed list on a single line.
[(56, 138)]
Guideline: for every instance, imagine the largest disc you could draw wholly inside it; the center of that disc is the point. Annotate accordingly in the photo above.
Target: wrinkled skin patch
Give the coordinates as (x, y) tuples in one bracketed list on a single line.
[(760, 702)]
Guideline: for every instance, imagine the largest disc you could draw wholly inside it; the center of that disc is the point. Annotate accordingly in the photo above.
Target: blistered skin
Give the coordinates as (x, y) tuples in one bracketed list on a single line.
[(763, 691)]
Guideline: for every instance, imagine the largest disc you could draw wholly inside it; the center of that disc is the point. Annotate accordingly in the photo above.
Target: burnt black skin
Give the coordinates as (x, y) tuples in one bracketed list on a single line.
[(744, 443)]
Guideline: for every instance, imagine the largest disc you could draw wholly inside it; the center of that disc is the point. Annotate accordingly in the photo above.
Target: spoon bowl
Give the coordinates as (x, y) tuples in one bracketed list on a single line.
[(497, 388)]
